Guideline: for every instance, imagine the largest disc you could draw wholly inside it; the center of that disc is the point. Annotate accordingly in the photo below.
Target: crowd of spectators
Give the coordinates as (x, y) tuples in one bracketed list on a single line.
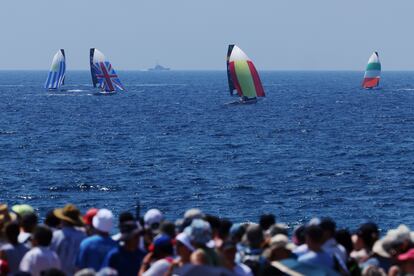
[(94, 243)]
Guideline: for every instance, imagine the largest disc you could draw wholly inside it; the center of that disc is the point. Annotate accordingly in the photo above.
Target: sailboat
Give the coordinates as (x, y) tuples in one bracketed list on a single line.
[(103, 74), (372, 72), (242, 76), (56, 77)]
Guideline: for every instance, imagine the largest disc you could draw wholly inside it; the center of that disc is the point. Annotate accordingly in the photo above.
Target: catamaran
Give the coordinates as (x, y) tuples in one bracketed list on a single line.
[(103, 74), (372, 72), (242, 76), (56, 77)]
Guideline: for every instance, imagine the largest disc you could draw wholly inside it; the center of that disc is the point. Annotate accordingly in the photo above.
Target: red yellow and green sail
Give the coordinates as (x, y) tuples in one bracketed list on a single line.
[(372, 72), (242, 74)]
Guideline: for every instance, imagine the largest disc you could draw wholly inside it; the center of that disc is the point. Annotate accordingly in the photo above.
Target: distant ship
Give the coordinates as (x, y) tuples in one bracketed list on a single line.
[(159, 68)]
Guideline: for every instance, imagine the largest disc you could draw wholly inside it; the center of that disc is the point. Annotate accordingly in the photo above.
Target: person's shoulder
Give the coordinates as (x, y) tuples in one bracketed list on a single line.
[(242, 269)]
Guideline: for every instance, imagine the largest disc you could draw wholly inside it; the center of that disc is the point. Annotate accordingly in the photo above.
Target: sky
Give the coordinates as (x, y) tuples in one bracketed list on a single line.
[(194, 34)]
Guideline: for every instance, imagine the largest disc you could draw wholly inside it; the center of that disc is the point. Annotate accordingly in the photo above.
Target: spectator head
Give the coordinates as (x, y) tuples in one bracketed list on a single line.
[(184, 246), (253, 237), (224, 229), (130, 234), (279, 248), (276, 229), (42, 236), (237, 232), (124, 217), (214, 223), (29, 222), (103, 221), (12, 231), (69, 215), (343, 237), (367, 234), (229, 250), (314, 237), (153, 219), (51, 220), (328, 227), (194, 213), (23, 209), (88, 217), (167, 228), (299, 235), (199, 232), (267, 220), (162, 247)]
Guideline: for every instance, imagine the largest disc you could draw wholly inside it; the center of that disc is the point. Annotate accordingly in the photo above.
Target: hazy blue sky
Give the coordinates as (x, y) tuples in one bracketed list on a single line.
[(193, 34)]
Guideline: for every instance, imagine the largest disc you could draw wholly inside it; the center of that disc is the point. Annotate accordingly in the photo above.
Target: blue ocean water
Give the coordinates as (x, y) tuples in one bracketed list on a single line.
[(317, 145)]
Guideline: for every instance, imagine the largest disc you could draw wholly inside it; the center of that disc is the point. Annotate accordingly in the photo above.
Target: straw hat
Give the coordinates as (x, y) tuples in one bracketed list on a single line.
[(69, 214)]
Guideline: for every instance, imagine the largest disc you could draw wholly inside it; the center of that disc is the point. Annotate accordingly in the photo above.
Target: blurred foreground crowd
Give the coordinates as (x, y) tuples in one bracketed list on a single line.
[(95, 243)]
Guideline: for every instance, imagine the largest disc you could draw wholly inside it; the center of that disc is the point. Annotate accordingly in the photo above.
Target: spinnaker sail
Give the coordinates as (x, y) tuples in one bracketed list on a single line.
[(56, 77), (103, 73), (372, 72), (242, 75)]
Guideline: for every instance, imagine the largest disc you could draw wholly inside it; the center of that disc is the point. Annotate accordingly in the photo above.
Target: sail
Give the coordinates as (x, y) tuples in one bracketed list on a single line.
[(103, 73), (230, 81), (372, 72), (243, 75), (93, 75), (56, 76)]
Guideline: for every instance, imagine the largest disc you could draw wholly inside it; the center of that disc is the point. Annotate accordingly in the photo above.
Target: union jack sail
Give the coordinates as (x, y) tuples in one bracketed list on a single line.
[(103, 73)]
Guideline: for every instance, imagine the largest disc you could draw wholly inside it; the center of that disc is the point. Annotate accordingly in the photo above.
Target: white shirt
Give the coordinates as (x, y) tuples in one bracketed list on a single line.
[(39, 259), (158, 268)]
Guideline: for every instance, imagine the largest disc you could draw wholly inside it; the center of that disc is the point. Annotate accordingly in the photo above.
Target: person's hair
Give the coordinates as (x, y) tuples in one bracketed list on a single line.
[(161, 251), (328, 226), (52, 272), (12, 231), (125, 216), (267, 220), (168, 228), (213, 221), (344, 238), (299, 235), (314, 233), (29, 222), (51, 220), (42, 235), (224, 229)]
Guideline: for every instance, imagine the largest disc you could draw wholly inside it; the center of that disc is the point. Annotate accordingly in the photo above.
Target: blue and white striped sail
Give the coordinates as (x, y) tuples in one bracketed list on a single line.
[(56, 76)]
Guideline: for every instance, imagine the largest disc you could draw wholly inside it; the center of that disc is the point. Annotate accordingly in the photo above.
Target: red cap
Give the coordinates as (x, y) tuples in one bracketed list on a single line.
[(407, 256), (4, 267), (87, 218)]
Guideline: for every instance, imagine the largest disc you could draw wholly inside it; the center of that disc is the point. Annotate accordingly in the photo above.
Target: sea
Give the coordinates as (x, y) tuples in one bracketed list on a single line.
[(316, 146)]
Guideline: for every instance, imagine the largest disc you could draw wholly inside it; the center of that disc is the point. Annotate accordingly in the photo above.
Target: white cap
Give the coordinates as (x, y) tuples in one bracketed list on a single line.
[(185, 239), (103, 220), (153, 216)]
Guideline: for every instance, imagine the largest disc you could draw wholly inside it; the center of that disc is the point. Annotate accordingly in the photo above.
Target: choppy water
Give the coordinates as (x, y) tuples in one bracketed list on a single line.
[(317, 145)]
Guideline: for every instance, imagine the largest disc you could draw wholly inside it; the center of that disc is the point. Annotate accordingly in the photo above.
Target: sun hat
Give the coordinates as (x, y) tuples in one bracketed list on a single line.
[(199, 231), (408, 256), (394, 238), (153, 218), (193, 213), (87, 218), (69, 214), (185, 240), (22, 209), (5, 215), (103, 220), (281, 241), (129, 229)]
